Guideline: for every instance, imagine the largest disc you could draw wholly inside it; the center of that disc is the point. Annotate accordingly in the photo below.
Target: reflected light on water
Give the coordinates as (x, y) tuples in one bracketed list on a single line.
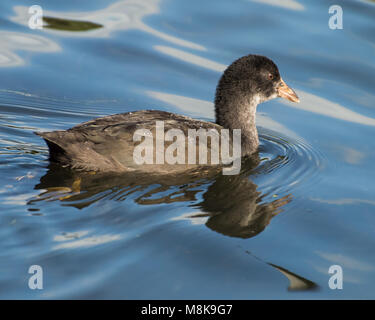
[(15, 41), (349, 155), (191, 58), (316, 104), (120, 16), (352, 266), (309, 102), (70, 241), (345, 201), (287, 4)]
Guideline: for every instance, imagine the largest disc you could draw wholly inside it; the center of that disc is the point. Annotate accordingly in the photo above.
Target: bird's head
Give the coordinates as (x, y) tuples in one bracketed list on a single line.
[(255, 78)]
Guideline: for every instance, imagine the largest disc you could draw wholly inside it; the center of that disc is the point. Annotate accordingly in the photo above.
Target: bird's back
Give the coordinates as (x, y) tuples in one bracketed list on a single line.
[(107, 143)]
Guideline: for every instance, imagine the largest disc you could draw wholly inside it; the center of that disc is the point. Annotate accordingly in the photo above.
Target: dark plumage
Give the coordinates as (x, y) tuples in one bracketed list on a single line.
[(106, 144)]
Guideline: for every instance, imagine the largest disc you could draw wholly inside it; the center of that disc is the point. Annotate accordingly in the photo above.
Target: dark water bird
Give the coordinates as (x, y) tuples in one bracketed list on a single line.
[(106, 144)]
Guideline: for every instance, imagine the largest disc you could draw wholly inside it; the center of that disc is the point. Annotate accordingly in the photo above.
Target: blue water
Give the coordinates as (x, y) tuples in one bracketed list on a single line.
[(270, 233)]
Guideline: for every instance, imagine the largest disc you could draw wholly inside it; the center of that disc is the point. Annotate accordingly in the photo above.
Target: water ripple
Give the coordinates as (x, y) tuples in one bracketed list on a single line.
[(291, 162)]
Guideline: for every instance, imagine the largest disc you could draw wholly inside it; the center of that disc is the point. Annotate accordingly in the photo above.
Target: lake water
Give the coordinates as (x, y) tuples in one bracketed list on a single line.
[(272, 232)]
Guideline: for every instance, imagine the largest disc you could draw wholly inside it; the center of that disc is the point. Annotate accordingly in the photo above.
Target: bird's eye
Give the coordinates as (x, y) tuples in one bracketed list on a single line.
[(270, 76)]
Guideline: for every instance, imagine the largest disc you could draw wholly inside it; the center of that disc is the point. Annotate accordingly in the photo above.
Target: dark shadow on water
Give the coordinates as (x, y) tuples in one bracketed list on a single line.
[(69, 25), (296, 282)]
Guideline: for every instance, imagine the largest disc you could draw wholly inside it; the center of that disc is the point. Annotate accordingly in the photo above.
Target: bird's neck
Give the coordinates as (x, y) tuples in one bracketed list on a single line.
[(239, 114)]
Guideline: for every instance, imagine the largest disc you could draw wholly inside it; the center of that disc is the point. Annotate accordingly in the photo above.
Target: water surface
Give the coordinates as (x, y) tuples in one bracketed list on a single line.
[(271, 232)]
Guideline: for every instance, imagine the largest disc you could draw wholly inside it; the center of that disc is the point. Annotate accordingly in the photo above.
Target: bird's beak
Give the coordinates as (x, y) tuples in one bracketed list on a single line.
[(286, 92)]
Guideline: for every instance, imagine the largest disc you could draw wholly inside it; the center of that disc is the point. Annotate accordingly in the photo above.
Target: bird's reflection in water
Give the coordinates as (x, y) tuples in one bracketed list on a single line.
[(232, 205)]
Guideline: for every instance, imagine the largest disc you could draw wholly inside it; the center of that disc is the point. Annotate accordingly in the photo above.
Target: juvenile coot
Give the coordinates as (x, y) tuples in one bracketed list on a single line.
[(106, 144)]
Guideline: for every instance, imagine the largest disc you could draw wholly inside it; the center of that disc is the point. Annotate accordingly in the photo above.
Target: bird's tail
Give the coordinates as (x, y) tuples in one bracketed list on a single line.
[(57, 151)]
